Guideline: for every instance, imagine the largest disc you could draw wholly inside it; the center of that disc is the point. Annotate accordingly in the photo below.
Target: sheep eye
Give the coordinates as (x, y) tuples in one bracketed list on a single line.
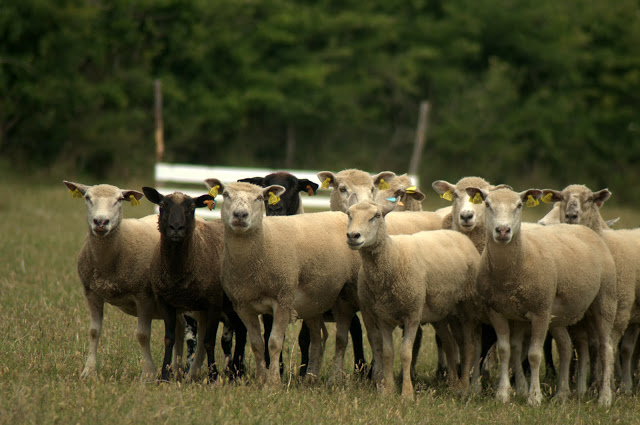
[(372, 189), (225, 195), (487, 204), (162, 205), (590, 199), (343, 189), (519, 205)]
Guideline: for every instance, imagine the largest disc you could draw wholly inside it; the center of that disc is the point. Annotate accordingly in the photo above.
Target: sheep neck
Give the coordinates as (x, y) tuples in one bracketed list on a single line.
[(106, 251), (594, 221), (243, 248), (378, 258), (504, 259), (477, 235), (176, 255)]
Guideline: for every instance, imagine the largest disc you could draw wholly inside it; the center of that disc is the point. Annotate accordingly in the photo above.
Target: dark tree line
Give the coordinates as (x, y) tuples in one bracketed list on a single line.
[(544, 92)]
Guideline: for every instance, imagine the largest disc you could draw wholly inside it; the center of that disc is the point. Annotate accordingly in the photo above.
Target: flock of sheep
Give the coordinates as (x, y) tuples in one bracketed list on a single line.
[(473, 270)]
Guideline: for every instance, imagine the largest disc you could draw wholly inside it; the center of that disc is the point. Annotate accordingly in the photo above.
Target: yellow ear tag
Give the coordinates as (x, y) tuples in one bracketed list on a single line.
[(325, 183), (477, 198), (383, 185), (134, 201), (447, 195), (547, 198), (214, 190), (411, 189), (532, 202), (273, 199), (75, 193), (211, 204)]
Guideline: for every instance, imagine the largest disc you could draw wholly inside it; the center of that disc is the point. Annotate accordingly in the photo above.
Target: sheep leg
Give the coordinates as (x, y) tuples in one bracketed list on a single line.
[(303, 343), (441, 369), (386, 333), (406, 354), (516, 340), (469, 357), (539, 329), (563, 342), (315, 346), (237, 365), (191, 329), (605, 354), (550, 370), (449, 345), (281, 317), (96, 310), (267, 321), (375, 342), (251, 321), (501, 326), (626, 353), (213, 319), (178, 348), (169, 315), (580, 341), (198, 356), (226, 340), (343, 313), (355, 329)]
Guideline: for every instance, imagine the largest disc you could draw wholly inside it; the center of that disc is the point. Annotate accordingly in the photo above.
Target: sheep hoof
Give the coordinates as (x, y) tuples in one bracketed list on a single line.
[(87, 372), (534, 399)]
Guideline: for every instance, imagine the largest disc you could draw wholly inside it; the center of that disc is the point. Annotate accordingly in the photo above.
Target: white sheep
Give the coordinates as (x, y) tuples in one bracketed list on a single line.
[(401, 193), (553, 217), (113, 266), (577, 204), (548, 277), (408, 280), (288, 266)]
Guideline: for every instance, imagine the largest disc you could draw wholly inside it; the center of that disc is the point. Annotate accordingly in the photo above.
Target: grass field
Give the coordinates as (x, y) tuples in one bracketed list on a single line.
[(43, 342)]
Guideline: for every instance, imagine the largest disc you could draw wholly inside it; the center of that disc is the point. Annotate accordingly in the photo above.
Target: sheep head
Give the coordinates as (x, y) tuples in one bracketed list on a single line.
[(402, 193), (177, 219), (465, 214), (104, 205), (503, 210), (366, 225), (289, 201), (350, 181), (577, 203), (243, 203)]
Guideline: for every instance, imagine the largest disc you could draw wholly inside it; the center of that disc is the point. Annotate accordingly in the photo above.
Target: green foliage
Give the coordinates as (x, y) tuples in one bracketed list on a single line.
[(542, 92)]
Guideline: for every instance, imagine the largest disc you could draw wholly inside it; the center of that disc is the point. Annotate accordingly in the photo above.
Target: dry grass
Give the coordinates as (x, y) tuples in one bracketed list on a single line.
[(43, 339)]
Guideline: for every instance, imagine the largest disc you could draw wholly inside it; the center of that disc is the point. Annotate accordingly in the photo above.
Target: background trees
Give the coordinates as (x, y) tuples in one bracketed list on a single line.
[(539, 93)]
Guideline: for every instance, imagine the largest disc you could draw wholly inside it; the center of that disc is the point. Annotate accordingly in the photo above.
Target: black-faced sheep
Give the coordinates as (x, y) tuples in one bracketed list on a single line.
[(185, 274)]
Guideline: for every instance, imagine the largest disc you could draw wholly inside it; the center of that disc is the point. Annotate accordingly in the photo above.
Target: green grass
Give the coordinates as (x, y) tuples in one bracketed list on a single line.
[(43, 341)]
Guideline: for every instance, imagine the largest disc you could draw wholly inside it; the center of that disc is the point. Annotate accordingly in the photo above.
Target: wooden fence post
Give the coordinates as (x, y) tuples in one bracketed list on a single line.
[(157, 89), (421, 133)]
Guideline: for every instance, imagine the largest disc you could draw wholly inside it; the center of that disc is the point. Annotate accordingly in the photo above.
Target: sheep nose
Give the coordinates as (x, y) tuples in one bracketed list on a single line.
[(466, 215), (353, 235), (101, 222), (571, 216), (240, 215), (503, 230), (176, 228)]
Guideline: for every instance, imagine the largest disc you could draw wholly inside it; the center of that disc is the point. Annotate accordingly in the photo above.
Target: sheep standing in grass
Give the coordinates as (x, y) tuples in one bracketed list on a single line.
[(408, 280), (113, 266), (291, 266), (353, 182), (185, 274), (577, 204), (548, 276)]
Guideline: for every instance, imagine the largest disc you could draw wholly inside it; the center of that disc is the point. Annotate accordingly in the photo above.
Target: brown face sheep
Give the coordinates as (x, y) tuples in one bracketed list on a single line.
[(548, 277), (278, 266)]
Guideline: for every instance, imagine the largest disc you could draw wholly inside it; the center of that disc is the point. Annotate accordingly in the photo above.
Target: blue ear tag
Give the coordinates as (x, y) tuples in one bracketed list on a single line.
[(391, 199)]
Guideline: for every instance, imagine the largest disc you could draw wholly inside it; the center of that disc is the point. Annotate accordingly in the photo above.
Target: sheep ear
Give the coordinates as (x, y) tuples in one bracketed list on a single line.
[(442, 187), (415, 194), (81, 188), (382, 179), (501, 186), (601, 196), (612, 222), (215, 186), (258, 181), (306, 185), (272, 193), (126, 194), (201, 200), (152, 195), (328, 179), (550, 196), (476, 194), (530, 197), (353, 199), (387, 208)]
